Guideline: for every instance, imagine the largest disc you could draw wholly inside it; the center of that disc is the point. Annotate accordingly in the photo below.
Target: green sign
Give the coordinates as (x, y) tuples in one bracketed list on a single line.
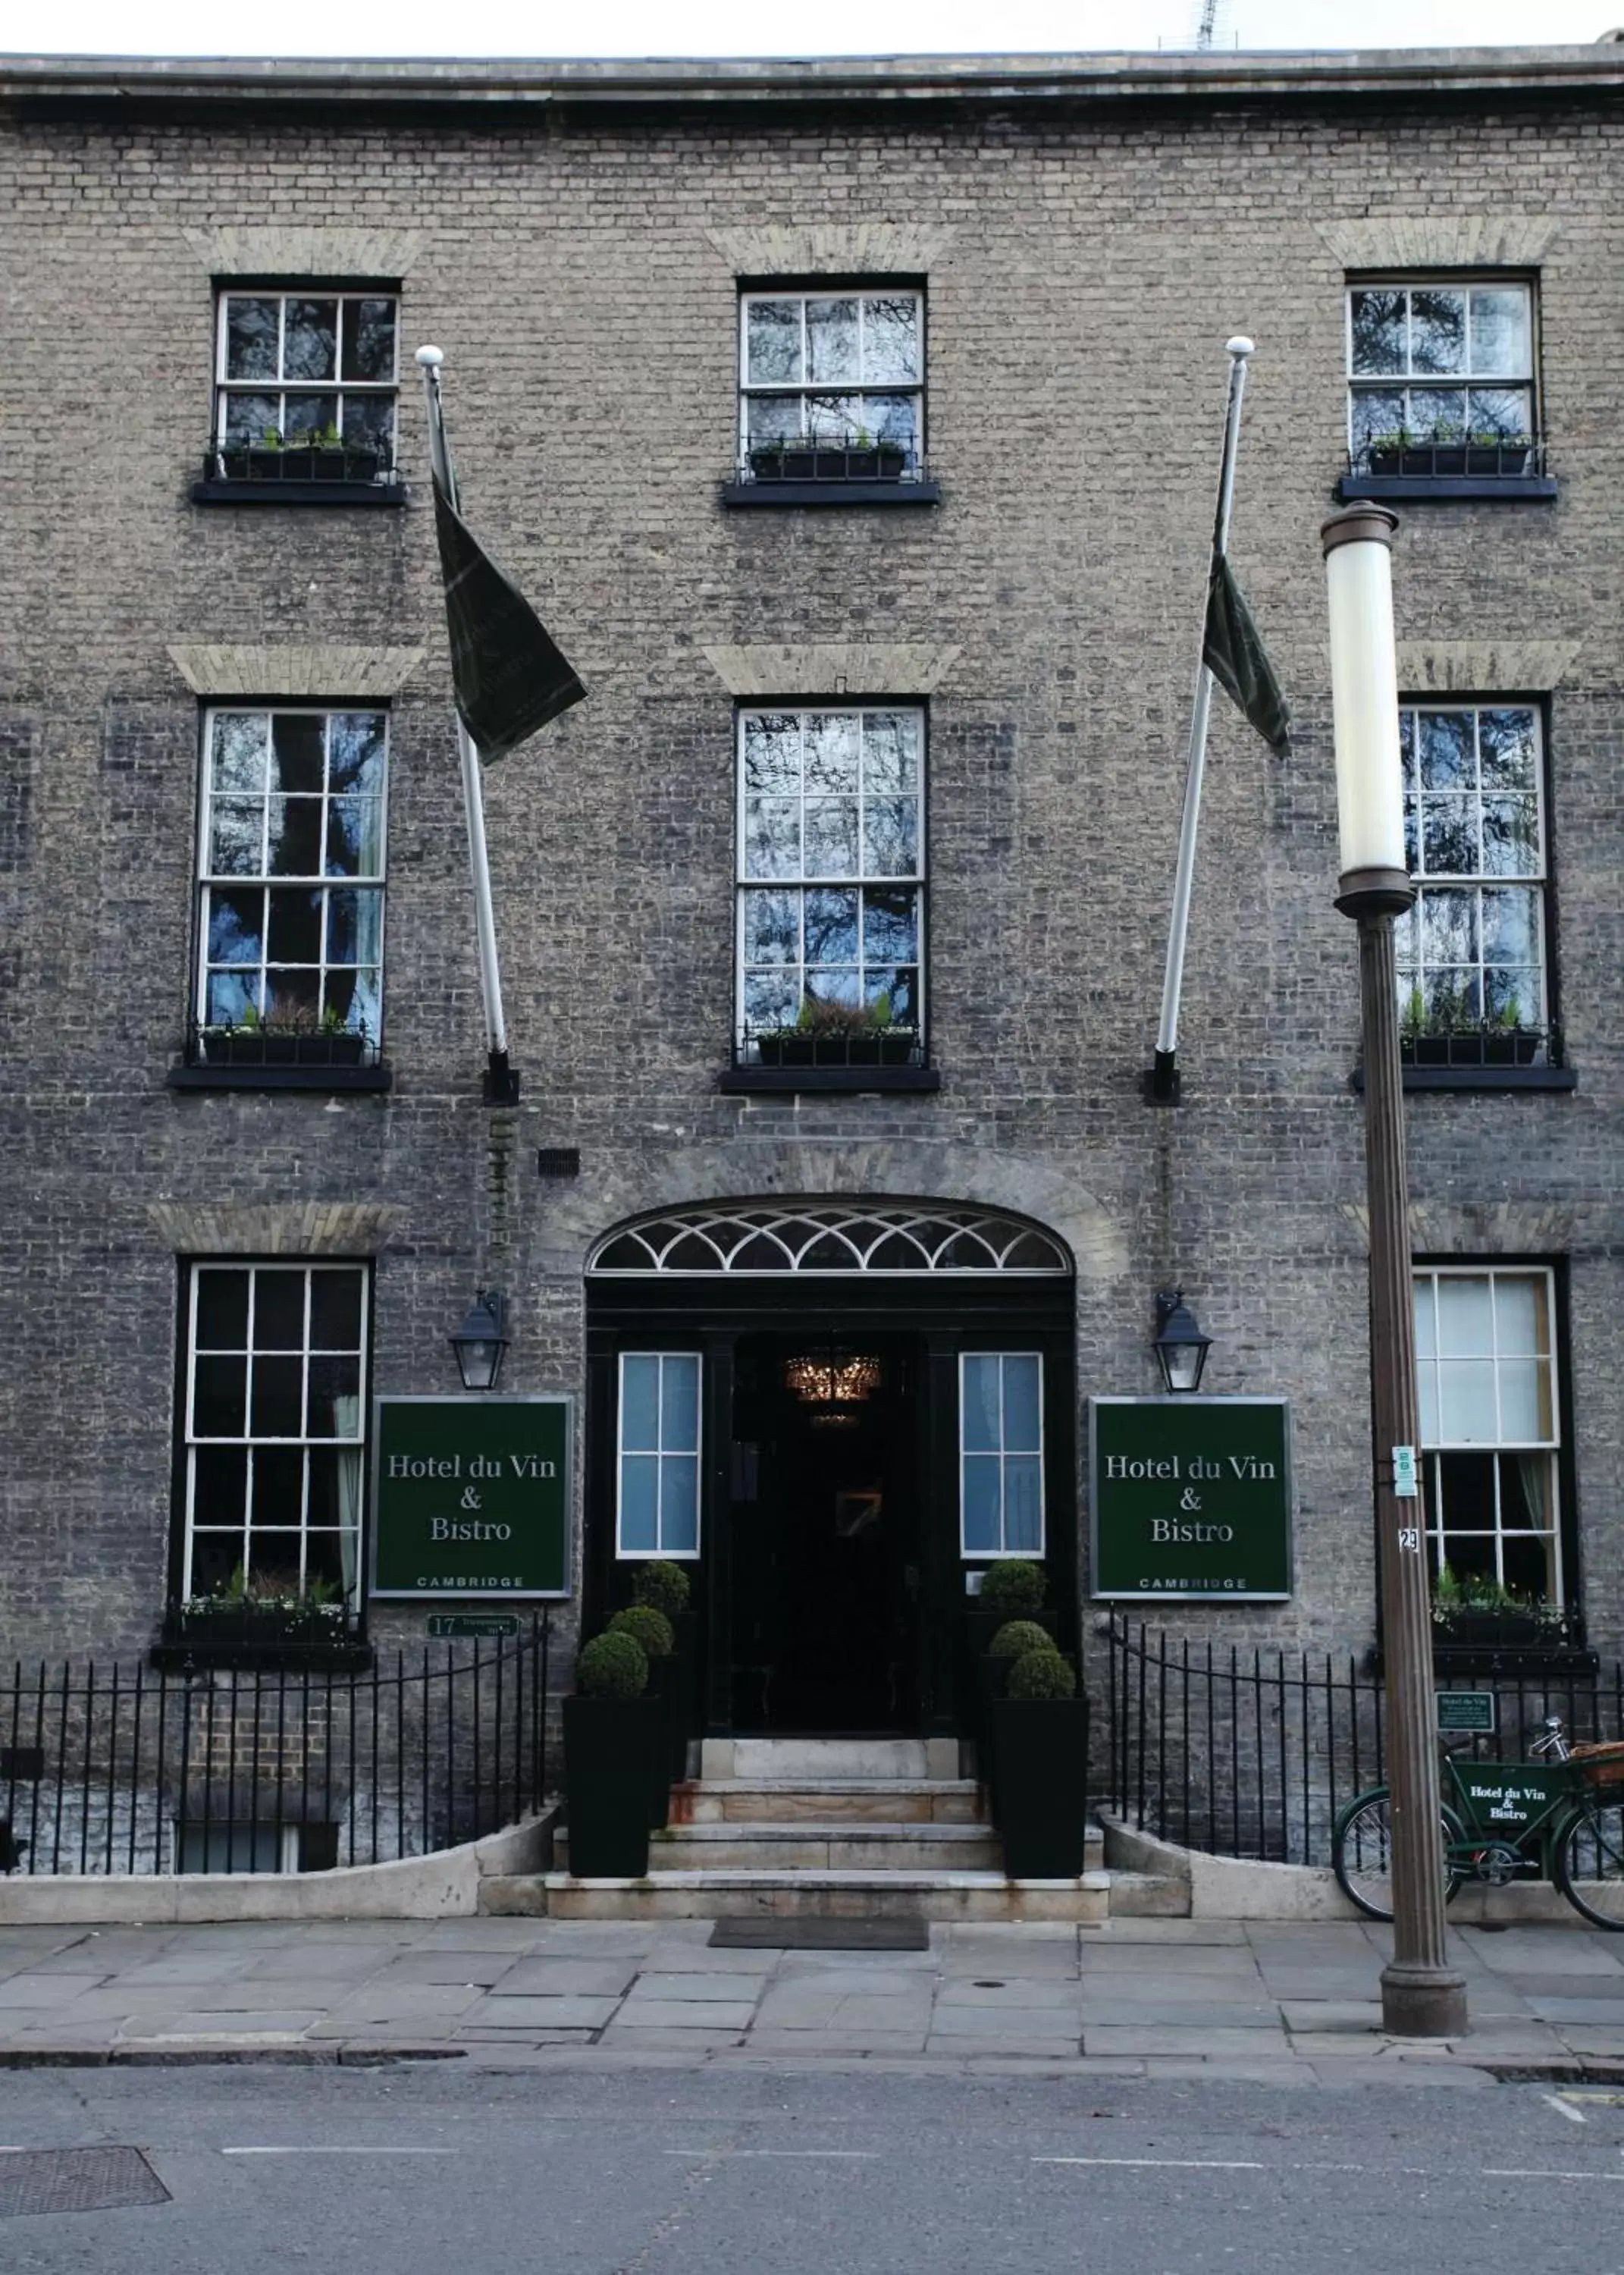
[(1191, 1497), (1468, 1710), (471, 1497), (503, 1624)]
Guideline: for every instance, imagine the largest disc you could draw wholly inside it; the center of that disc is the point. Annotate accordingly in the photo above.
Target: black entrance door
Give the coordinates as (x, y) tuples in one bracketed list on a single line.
[(823, 1532)]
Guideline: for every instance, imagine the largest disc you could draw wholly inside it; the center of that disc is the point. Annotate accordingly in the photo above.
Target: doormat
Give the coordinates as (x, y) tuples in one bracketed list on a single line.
[(76, 2180), (906, 1933)]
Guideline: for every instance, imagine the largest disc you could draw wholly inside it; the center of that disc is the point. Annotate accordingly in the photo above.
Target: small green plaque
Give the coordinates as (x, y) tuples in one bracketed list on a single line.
[(471, 1497), (442, 1624), (1468, 1710), (1191, 1498)]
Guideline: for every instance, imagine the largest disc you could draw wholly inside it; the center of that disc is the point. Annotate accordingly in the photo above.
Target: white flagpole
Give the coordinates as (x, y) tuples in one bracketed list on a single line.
[(1164, 1088), (501, 1081)]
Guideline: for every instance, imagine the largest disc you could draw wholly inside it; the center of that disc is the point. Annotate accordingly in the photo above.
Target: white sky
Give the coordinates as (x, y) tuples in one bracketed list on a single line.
[(748, 28)]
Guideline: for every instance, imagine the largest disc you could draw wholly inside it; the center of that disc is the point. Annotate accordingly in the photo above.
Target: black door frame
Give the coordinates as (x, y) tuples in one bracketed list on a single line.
[(952, 1313)]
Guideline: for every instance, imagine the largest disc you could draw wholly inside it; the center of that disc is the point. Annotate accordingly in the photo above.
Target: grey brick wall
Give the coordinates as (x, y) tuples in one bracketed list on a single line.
[(1090, 267)]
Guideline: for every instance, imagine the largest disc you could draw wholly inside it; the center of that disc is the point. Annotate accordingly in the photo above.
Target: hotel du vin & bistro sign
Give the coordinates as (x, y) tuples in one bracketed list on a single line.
[(1191, 1497), (471, 1497)]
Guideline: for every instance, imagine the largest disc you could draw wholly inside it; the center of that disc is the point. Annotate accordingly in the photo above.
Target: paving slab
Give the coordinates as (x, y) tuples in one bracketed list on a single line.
[(1309, 2016), (428, 2002), (661, 2038), (1020, 1993), (733, 1985), (21, 1992), (226, 2022), (1158, 2013), (498, 2011), (1188, 2045), (1553, 1950), (682, 2014), (545, 1975), (1015, 2024)]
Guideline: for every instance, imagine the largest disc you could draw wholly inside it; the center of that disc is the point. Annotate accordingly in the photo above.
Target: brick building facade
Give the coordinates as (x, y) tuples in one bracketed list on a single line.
[(998, 294)]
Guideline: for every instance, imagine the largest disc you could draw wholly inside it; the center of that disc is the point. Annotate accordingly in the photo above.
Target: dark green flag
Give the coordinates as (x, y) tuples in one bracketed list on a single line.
[(1235, 655), (509, 677)]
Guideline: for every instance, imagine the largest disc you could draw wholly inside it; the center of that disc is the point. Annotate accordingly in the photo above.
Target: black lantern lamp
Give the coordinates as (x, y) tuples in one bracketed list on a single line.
[(481, 1342), (1179, 1346)]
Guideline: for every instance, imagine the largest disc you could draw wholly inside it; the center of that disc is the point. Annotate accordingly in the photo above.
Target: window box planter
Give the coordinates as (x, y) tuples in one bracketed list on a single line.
[(1040, 1746), (293, 462), (273, 1047), (608, 1745), (238, 1634), (1470, 1046), (791, 1047), (882, 462)]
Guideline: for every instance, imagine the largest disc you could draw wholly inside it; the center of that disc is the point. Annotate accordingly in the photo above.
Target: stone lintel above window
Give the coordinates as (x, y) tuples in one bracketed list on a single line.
[(350, 1228), (320, 671), (286, 250), (819, 249), (853, 671), (1375, 242), (1479, 668)]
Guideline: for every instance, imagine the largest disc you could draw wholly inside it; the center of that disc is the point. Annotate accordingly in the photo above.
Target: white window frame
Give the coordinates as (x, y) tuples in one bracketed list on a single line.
[(303, 1440), (660, 1552), (282, 387), (996, 1555), (1406, 382), (1551, 1446), (804, 389), (374, 881), (1537, 878), (916, 879)]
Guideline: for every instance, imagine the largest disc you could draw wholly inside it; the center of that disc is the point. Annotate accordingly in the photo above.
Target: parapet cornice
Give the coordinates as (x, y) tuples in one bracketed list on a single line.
[(1199, 79)]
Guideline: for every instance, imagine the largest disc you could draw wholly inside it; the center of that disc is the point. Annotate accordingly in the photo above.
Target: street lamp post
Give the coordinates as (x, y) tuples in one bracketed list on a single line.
[(1421, 1994)]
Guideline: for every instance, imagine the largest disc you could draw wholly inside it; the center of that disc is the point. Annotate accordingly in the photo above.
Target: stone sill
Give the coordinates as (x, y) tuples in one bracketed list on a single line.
[(1511, 488), (280, 1077), (371, 494), (770, 494), (737, 1079), (1472, 1077)]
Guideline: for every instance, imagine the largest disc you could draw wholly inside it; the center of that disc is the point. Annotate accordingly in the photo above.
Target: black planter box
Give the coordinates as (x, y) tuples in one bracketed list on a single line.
[(1041, 1748), (609, 1746)]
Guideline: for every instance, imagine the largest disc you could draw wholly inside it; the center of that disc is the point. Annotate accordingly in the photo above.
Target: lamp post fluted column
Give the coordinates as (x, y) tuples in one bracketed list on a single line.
[(1421, 1996)]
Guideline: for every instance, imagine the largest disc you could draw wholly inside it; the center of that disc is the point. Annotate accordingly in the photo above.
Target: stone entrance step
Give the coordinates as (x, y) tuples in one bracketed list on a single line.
[(780, 1760), (803, 1895), (885, 1801), (836, 1845)]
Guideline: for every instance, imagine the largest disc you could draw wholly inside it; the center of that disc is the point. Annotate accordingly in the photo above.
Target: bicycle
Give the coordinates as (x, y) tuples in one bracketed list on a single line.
[(1492, 1812)]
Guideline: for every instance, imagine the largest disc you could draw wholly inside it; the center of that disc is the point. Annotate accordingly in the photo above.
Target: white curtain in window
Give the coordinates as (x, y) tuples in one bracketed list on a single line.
[(346, 1424)]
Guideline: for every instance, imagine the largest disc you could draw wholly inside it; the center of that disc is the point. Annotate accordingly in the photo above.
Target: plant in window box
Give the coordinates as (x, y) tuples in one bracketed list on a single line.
[(1471, 1607), (839, 1034), (1385, 452), (266, 1608), (1445, 1032), (784, 458), (1490, 452)]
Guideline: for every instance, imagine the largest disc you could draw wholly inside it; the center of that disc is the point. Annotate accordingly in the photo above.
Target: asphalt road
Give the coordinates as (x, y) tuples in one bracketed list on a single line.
[(583, 2170)]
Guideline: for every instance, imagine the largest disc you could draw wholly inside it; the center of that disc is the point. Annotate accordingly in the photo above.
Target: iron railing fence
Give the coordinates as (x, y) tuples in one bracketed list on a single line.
[(106, 1769), (1252, 1752)]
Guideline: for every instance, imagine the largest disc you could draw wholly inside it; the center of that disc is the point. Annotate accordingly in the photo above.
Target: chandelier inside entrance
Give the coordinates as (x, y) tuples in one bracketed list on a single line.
[(832, 1383)]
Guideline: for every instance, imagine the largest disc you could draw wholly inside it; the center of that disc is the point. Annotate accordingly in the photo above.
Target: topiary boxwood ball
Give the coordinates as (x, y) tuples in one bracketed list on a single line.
[(612, 1667), (664, 1585), (651, 1629), (1042, 1675), (1017, 1638), (1013, 1590)]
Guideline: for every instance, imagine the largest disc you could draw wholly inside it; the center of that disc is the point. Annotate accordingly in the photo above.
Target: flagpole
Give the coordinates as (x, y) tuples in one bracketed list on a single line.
[(1164, 1084), (501, 1078)]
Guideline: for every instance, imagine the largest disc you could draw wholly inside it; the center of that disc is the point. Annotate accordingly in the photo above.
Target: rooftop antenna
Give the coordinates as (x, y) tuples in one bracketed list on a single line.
[(1206, 24)]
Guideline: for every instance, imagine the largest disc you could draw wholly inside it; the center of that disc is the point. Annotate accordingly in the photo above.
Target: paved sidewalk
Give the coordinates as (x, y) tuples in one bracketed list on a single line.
[(1139, 1996)]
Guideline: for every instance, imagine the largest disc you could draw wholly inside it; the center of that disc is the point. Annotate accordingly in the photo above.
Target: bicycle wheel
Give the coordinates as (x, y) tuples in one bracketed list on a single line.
[(1362, 1855), (1588, 1863)]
